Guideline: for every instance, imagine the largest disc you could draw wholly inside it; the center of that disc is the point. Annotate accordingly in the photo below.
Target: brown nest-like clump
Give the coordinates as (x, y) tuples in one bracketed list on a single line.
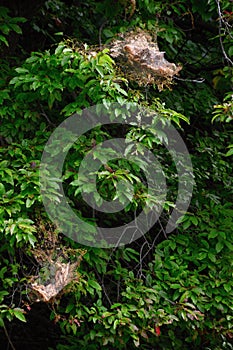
[(57, 277), (141, 59), (56, 266)]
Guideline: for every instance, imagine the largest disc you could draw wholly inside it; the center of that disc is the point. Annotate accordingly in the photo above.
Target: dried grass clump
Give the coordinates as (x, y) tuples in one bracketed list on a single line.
[(141, 59), (54, 276), (55, 267)]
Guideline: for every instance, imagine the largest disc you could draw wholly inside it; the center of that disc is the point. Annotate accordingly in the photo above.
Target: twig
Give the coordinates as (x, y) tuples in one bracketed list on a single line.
[(45, 115), (199, 81), (100, 33), (151, 246), (162, 229), (140, 274), (103, 287), (133, 8), (8, 338), (221, 21)]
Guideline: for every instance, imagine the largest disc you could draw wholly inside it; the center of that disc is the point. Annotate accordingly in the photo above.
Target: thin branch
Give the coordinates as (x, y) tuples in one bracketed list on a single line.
[(151, 246), (45, 115), (101, 280), (8, 338), (140, 274), (221, 22), (162, 229), (199, 80), (100, 34), (133, 8)]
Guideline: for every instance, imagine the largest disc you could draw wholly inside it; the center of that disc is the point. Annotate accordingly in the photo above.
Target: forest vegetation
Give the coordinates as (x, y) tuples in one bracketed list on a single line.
[(163, 290)]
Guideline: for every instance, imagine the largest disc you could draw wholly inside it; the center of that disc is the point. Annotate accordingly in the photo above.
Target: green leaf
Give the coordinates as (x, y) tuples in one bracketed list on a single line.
[(21, 70), (108, 33), (114, 306), (94, 285), (175, 286), (213, 234), (69, 308), (29, 202), (1, 322), (229, 245), (19, 314), (74, 328), (2, 189), (219, 246), (212, 257), (229, 153), (186, 224), (194, 220), (16, 28), (201, 255), (3, 39), (100, 70), (218, 298), (227, 287), (230, 51), (32, 239)]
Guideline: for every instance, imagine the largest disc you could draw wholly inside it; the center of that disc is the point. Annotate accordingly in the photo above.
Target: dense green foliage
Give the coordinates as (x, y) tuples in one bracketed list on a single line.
[(158, 292)]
